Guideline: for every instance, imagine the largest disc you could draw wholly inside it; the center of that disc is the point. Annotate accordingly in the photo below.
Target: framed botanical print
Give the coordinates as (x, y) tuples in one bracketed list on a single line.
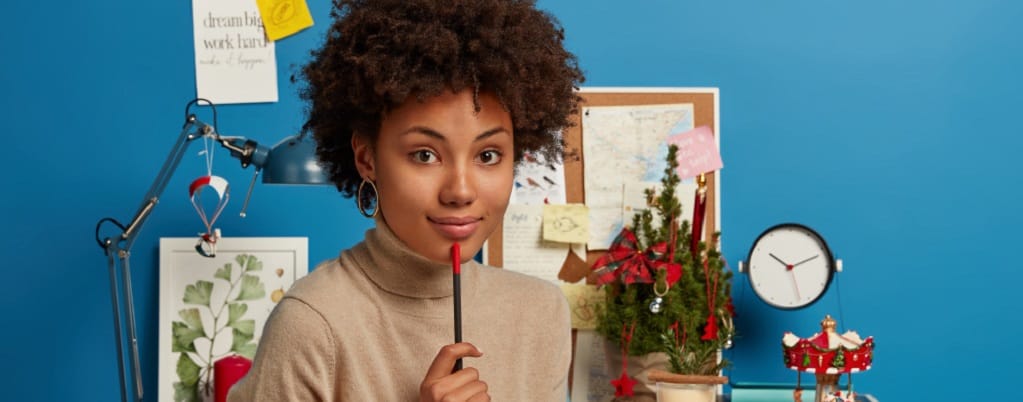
[(215, 307)]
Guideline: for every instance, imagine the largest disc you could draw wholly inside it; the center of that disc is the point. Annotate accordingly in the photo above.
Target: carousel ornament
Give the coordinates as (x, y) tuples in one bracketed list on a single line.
[(828, 355)]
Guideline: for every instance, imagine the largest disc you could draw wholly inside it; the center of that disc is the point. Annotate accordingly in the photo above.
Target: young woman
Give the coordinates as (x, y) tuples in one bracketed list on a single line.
[(420, 109)]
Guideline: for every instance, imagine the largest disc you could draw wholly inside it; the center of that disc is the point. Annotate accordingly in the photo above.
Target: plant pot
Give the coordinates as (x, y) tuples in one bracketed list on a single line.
[(685, 388), (670, 392), (638, 368)]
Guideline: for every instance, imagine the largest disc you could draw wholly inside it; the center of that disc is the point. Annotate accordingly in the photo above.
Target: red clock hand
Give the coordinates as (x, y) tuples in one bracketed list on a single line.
[(795, 285)]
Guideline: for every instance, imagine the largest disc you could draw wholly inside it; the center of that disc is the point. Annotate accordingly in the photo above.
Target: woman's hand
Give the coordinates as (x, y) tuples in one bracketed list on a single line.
[(441, 385)]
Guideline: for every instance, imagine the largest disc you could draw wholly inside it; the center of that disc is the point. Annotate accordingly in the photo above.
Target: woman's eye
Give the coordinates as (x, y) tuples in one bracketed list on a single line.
[(424, 156), (490, 157)]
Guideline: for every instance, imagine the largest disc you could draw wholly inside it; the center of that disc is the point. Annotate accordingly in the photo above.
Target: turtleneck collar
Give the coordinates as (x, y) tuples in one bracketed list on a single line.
[(396, 268)]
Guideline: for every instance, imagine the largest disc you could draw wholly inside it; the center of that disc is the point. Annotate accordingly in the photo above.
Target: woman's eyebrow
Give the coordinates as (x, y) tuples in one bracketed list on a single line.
[(429, 132)]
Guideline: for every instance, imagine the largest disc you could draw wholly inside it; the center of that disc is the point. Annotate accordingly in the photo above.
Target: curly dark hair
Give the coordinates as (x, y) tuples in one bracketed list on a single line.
[(378, 53)]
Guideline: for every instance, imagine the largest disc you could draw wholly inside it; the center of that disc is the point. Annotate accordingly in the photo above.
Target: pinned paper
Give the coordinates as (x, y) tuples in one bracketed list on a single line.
[(538, 181), (284, 17), (635, 200), (524, 251), (567, 223), (624, 144), (234, 62), (583, 303), (697, 152)]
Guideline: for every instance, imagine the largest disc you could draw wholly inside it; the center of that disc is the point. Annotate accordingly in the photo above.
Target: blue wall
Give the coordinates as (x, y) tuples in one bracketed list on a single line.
[(888, 126)]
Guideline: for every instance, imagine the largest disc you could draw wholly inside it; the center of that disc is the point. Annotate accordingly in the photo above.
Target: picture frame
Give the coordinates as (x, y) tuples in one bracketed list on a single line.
[(211, 308)]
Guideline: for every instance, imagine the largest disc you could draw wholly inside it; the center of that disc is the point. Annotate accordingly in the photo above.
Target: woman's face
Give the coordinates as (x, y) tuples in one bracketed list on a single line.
[(443, 171)]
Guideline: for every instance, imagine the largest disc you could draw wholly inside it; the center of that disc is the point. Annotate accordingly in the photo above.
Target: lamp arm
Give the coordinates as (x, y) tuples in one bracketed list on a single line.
[(193, 129), (120, 249)]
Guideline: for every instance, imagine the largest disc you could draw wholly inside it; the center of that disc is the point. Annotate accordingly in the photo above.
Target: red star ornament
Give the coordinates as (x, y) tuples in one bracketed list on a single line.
[(623, 385)]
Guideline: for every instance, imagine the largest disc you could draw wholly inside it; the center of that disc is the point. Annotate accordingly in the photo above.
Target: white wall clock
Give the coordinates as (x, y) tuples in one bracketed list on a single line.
[(790, 266)]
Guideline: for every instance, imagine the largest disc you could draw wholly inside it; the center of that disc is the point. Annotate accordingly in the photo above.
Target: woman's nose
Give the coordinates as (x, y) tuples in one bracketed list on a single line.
[(459, 188)]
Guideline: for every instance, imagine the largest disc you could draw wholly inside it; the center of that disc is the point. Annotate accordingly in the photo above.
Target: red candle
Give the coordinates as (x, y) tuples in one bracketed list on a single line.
[(226, 372)]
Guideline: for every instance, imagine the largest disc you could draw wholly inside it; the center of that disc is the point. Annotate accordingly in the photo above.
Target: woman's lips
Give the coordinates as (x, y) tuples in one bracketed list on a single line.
[(455, 228)]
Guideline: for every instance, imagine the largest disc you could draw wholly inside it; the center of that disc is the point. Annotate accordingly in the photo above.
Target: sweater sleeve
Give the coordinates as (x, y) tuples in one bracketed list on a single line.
[(563, 351), (295, 360)]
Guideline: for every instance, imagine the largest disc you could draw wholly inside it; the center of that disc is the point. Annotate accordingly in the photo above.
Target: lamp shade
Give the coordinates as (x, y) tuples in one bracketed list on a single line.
[(293, 161)]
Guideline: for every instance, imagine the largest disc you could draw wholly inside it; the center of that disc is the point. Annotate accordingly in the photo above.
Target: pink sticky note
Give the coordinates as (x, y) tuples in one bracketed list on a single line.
[(697, 152)]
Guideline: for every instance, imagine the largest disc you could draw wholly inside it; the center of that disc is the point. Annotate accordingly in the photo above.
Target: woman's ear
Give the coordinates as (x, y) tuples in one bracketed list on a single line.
[(364, 161)]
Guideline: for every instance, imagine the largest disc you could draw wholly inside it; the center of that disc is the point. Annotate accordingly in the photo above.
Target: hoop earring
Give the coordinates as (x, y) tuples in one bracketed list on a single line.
[(365, 201)]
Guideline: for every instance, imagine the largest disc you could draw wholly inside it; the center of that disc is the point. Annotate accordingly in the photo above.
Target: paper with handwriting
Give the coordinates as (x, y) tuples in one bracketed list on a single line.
[(697, 152), (524, 248), (590, 379), (234, 60)]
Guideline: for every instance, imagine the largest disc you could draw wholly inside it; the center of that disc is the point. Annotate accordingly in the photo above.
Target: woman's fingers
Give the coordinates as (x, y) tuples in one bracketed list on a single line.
[(440, 384), (445, 360)]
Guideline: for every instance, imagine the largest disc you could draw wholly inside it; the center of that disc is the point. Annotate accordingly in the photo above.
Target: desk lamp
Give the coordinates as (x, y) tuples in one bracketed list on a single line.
[(290, 161)]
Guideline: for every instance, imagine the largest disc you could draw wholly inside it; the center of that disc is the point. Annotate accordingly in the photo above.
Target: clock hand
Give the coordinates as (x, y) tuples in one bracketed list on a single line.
[(806, 260), (778, 259), (795, 285)]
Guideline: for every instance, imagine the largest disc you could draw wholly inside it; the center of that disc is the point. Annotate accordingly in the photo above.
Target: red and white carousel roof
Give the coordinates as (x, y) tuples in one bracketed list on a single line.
[(828, 352)]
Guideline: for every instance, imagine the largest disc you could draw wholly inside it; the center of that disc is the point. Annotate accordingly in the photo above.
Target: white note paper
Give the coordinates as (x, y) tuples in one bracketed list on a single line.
[(234, 61), (524, 249), (538, 181), (590, 380)]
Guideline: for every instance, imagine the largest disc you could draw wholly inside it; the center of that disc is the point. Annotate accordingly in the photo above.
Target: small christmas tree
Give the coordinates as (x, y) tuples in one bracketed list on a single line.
[(686, 314)]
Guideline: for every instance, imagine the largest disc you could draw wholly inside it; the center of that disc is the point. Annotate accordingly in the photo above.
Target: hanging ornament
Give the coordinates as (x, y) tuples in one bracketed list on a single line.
[(623, 384), (207, 245), (658, 303)]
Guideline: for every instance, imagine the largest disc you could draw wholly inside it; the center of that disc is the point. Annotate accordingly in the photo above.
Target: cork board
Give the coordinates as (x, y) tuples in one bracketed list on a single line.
[(705, 110)]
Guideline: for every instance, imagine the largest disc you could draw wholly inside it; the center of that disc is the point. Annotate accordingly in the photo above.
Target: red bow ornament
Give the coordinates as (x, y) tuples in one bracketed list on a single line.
[(623, 262)]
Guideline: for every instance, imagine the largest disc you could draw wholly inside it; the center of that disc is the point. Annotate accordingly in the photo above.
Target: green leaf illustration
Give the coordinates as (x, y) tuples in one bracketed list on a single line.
[(185, 333), (252, 288), (248, 350), (250, 262), (199, 293), (188, 371), (224, 272), (191, 317), (184, 337), (241, 341), (235, 311), (185, 393), (247, 327)]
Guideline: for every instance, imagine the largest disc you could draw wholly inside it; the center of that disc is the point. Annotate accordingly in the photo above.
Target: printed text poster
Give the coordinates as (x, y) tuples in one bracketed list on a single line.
[(234, 61)]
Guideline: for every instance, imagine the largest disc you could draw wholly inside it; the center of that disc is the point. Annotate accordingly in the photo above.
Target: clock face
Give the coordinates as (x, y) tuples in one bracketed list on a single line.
[(790, 266)]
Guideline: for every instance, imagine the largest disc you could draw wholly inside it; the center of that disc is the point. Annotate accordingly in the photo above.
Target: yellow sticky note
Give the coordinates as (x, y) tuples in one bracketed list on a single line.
[(568, 223), (583, 303), (284, 17)]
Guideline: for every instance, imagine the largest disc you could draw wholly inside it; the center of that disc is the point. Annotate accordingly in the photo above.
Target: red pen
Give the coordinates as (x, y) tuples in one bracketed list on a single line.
[(456, 273)]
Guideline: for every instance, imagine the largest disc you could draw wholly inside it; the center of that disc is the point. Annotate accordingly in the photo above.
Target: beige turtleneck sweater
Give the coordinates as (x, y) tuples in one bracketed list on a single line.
[(366, 326)]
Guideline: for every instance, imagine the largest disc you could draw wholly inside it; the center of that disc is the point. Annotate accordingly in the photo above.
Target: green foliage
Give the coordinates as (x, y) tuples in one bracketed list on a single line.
[(691, 360), (252, 288), (187, 389), (199, 293), (195, 367), (686, 302)]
